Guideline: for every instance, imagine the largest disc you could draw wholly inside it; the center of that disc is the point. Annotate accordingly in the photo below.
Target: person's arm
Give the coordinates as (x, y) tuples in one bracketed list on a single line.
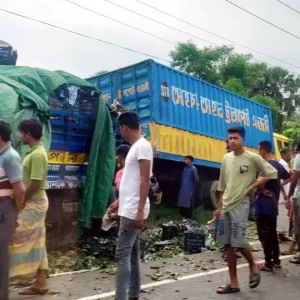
[(145, 166), (18, 188), (267, 169), (285, 175), (114, 206), (221, 188), (144, 156), (38, 171), (12, 166), (195, 175), (295, 176), (294, 179)]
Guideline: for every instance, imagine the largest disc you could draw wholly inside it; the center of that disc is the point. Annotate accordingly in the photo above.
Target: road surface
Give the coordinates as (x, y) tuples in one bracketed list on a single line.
[(187, 277)]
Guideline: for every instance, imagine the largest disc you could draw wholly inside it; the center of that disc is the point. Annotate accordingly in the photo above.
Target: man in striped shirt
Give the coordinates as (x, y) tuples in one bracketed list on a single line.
[(11, 200)]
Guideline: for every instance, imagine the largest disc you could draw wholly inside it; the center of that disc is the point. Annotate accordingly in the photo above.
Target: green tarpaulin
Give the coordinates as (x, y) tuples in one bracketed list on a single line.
[(24, 93)]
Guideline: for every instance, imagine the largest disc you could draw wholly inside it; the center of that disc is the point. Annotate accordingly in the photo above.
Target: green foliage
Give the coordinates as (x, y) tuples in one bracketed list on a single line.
[(235, 85), (100, 73), (277, 116), (292, 131)]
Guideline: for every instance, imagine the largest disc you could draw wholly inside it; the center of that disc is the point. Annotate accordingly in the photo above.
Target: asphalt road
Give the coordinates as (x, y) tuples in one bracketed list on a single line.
[(187, 277)]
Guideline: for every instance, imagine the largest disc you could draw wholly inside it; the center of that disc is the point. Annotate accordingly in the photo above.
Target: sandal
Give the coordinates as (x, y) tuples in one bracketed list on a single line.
[(227, 289), (33, 291), (296, 259), (264, 268), (288, 252), (254, 279)]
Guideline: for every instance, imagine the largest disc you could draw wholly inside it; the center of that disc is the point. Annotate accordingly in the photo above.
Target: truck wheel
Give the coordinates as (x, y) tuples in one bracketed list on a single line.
[(208, 192)]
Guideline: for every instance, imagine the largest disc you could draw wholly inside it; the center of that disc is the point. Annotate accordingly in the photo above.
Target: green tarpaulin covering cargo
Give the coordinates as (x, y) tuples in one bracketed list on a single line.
[(24, 93)]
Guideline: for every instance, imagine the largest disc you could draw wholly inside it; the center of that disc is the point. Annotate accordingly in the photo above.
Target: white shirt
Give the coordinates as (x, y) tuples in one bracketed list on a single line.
[(287, 186), (129, 193)]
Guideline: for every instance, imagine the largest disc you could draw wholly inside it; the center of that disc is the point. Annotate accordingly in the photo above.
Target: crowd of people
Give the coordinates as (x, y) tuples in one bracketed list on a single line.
[(23, 208), (24, 204), (244, 174), (246, 178)]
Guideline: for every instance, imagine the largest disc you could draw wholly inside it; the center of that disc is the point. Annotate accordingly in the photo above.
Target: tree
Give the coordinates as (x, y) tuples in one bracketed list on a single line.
[(277, 116), (235, 85), (202, 63), (236, 66), (100, 73)]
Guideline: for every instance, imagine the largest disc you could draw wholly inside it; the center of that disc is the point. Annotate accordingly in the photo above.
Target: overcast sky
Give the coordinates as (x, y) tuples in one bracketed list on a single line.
[(41, 46)]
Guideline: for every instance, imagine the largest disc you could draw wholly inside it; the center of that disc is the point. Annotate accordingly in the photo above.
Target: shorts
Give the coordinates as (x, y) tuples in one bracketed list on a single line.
[(233, 225)]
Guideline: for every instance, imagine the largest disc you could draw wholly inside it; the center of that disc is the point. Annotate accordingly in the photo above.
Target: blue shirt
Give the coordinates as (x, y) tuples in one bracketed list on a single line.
[(188, 183), (10, 170), (268, 205)]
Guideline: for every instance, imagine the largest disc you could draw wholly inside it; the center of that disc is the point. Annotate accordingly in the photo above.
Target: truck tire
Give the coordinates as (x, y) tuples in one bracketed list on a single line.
[(208, 192)]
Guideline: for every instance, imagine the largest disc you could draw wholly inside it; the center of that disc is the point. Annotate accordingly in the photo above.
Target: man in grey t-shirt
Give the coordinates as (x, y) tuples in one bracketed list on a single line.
[(11, 198)]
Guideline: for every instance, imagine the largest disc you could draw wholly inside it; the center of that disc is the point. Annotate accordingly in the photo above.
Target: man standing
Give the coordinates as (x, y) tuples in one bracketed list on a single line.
[(134, 206), (283, 219), (238, 171), (295, 193), (188, 183), (266, 209), (28, 255), (11, 200)]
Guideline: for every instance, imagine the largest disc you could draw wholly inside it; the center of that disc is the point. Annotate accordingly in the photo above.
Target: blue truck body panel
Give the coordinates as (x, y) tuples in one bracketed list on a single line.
[(166, 96)]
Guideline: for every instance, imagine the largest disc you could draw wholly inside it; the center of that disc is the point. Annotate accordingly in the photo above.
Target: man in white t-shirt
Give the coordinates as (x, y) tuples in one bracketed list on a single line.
[(134, 206), (283, 221)]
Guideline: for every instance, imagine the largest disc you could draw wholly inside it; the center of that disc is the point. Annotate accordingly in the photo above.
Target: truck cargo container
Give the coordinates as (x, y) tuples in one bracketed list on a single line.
[(183, 115)]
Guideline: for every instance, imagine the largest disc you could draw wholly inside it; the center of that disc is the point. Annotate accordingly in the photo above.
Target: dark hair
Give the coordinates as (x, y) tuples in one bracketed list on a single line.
[(297, 148), (237, 129), (5, 131), (129, 119), (284, 151), (33, 127), (122, 150), (190, 157), (266, 145)]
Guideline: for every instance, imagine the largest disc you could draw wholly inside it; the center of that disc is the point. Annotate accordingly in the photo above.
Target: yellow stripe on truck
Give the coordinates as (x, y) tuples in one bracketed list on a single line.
[(179, 142)]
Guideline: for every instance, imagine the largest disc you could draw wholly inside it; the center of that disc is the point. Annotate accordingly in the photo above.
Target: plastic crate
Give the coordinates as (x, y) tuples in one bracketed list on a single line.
[(169, 232), (194, 241)]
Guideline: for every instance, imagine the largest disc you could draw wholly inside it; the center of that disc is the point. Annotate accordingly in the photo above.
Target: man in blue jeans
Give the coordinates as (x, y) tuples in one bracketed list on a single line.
[(134, 206)]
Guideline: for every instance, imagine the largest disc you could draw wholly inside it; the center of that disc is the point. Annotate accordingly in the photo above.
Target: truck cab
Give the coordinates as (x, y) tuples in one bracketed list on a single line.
[(280, 142)]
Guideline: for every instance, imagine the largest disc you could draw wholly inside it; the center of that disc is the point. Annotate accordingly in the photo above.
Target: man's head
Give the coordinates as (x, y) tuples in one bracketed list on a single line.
[(31, 130), (286, 154), (228, 149), (121, 153), (236, 137), (264, 148), (188, 160), (5, 133), (129, 124)]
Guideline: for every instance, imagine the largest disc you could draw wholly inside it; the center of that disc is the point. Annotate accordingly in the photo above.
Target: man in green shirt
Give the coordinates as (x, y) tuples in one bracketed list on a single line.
[(28, 255), (237, 181)]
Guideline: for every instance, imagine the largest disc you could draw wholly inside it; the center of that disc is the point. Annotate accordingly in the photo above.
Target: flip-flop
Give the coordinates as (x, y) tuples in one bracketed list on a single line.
[(288, 252), (227, 289), (254, 279), (295, 260), (33, 291), (262, 267)]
